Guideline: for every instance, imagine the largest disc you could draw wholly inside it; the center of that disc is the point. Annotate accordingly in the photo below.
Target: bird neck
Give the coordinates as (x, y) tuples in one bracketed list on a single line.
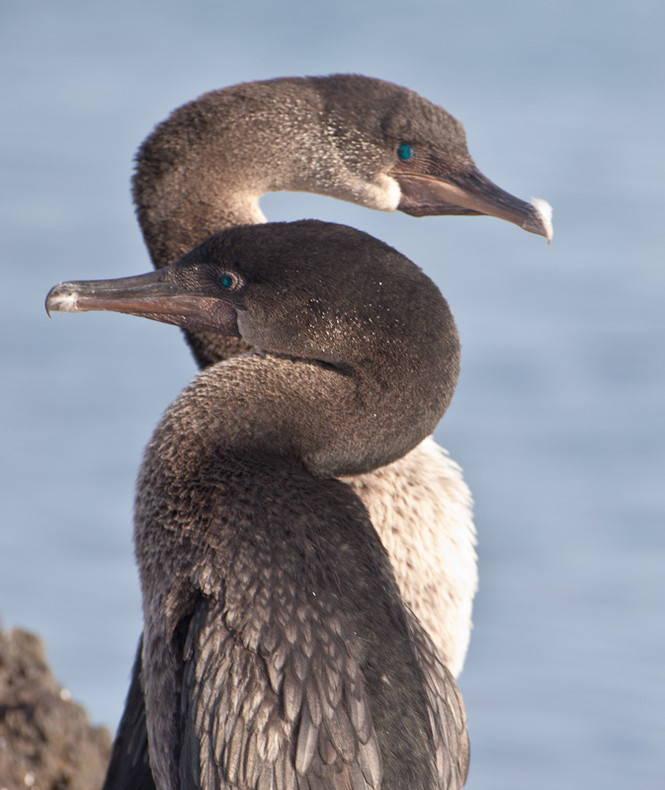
[(308, 413), (206, 166), (204, 169)]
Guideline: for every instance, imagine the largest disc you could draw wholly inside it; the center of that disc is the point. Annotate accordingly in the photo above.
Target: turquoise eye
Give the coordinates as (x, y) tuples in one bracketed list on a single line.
[(227, 281), (405, 152)]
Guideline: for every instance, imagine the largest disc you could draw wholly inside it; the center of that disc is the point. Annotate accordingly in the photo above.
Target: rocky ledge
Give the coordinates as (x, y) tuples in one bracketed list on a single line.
[(46, 740)]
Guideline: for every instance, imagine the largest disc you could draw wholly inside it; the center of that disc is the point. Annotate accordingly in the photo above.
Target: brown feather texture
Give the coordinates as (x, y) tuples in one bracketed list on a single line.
[(206, 167), (277, 649)]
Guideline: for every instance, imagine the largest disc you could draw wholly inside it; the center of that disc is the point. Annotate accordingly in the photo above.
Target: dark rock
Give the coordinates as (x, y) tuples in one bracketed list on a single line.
[(46, 740)]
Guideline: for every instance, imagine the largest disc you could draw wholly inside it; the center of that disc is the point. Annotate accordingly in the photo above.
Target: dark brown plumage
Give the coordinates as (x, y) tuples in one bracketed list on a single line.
[(205, 168), (277, 649), (376, 144)]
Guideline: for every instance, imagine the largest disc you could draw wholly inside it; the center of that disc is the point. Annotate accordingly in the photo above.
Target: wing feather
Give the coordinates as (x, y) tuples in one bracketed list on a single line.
[(290, 718), (445, 708)]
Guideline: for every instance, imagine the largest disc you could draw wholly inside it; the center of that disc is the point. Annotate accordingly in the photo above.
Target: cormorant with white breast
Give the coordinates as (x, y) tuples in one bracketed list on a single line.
[(277, 651), (376, 144)]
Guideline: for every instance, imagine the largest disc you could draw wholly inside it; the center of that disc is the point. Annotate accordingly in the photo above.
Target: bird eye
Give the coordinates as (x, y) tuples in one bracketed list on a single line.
[(405, 152), (229, 281)]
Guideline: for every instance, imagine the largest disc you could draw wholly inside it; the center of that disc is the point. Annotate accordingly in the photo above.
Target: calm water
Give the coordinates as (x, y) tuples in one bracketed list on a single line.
[(558, 420)]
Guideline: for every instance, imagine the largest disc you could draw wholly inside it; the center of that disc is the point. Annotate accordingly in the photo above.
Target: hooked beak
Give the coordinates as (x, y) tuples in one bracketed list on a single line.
[(149, 295), (471, 193)]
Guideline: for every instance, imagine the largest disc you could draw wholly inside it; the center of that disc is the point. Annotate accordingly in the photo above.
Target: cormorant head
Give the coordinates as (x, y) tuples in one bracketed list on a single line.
[(414, 155)]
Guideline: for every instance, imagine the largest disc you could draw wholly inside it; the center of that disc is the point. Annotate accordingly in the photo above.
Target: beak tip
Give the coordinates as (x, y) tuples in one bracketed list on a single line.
[(61, 298), (544, 218)]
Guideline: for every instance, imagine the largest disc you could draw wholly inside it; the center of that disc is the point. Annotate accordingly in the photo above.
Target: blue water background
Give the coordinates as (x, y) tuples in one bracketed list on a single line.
[(558, 419)]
